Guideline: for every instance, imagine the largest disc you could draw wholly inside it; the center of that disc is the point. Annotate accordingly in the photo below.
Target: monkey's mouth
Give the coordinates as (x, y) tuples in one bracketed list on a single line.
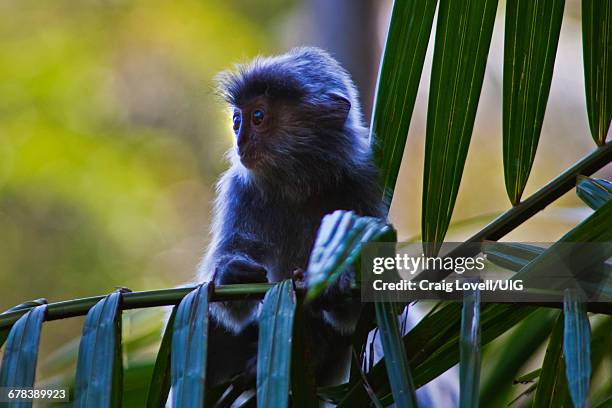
[(249, 159)]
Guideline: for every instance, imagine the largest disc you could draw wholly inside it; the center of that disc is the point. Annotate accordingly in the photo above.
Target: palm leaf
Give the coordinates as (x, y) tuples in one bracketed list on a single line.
[(338, 244), (518, 348), (99, 367), (432, 347), (469, 358), (597, 228), (594, 192), (551, 384), (532, 35), (576, 348), (512, 256), (4, 333), (274, 346), (398, 82), (160, 380), (597, 55), (189, 348), (463, 36), (19, 359), (607, 403), (396, 361)]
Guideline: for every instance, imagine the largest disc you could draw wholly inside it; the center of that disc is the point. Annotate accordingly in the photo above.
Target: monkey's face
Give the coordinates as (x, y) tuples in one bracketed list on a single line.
[(252, 125), (290, 136)]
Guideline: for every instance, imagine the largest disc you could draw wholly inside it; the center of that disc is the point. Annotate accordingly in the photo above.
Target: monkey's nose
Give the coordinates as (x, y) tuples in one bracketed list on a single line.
[(243, 139)]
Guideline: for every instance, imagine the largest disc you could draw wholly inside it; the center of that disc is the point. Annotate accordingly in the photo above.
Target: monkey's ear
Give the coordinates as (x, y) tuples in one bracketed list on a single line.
[(339, 105)]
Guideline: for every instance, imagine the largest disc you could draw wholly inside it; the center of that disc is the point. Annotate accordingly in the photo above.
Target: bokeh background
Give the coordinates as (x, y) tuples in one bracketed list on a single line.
[(111, 137)]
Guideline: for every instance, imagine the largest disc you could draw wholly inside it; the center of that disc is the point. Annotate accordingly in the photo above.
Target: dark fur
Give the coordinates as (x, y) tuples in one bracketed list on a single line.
[(314, 159)]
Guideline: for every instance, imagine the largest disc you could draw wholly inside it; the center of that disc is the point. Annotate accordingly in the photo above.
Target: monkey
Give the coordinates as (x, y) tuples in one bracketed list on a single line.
[(301, 151)]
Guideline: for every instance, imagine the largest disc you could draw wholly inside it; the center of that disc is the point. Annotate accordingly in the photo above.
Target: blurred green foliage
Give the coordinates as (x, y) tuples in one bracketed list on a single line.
[(111, 137)]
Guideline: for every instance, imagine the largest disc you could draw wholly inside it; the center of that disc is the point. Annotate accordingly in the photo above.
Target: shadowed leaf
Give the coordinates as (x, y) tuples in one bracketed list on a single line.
[(19, 360), (396, 362), (398, 82), (605, 404), (597, 55), (520, 345), (512, 256), (594, 192), (188, 349), (99, 367), (339, 242), (463, 36), (576, 348), (274, 346), (552, 388), (579, 263), (532, 35), (469, 363), (303, 387), (160, 381), (432, 347), (4, 335)]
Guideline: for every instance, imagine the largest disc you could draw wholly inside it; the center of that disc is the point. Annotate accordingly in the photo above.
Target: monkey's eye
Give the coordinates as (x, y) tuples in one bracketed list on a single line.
[(237, 120), (258, 117)]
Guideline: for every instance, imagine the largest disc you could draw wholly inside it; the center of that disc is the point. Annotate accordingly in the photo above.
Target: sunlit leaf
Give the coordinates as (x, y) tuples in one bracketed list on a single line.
[(396, 361), (463, 36), (532, 35), (594, 192), (19, 359), (274, 346), (576, 348), (469, 363), (160, 381), (189, 349), (597, 55), (99, 370), (398, 82)]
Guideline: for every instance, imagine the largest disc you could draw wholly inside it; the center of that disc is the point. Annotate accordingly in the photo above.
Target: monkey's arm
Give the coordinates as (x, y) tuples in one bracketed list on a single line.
[(235, 260), (339, 307)]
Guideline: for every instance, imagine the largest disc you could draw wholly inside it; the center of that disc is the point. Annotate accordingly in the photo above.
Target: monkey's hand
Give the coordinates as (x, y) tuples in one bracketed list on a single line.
[(236, 269), (339, 306)]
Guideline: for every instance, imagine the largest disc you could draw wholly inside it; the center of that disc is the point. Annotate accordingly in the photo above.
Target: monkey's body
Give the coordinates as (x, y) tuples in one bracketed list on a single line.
[(312, 159)]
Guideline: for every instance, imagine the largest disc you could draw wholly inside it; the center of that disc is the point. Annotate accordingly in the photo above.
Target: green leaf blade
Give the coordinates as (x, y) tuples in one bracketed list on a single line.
[(398, 82), (469, 359), (551, 385), (189, 349), (597, 56), (338, 244), (594, 192), (21, 353), (531, 39), (463, 36), (99, 365), (274, 346), (160, 380), (396, 361), (576, 348)]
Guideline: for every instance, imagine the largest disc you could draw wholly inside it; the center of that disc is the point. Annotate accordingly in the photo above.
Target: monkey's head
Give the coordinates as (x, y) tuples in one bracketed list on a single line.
[(296, 117)]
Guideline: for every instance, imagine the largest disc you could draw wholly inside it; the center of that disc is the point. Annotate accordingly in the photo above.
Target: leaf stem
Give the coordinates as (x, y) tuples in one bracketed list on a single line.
[(499, 227)]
